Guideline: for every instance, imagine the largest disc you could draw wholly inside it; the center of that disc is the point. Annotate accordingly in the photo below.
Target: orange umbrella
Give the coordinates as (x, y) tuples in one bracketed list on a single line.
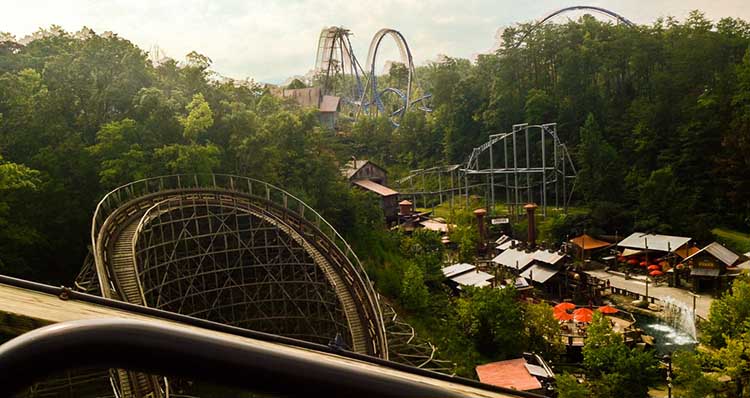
[(605, 309), (583, 315), (564, 307), (562, 315), (656, 273)]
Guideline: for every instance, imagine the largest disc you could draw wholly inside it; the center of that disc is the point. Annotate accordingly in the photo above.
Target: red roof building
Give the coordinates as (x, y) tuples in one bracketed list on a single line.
[(512, 373)]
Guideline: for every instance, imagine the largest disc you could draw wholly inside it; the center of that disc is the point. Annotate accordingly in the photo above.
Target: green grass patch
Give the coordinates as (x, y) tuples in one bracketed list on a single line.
[(734, 240)]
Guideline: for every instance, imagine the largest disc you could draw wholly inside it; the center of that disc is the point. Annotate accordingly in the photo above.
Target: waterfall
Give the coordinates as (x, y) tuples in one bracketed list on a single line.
[(677, 315)]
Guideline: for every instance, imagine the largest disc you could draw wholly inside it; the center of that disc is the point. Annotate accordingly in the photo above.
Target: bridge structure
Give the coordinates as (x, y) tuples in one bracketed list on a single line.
[(341, 74), (244, 253), (529, 164)]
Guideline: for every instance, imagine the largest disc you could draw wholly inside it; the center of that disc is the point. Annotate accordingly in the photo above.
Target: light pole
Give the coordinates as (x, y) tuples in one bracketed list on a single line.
[(695, 296), (647, 290)]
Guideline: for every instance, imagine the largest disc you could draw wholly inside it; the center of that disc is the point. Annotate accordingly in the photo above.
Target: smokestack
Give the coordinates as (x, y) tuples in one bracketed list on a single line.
[(480, 225), (404, 207), (530, 208)]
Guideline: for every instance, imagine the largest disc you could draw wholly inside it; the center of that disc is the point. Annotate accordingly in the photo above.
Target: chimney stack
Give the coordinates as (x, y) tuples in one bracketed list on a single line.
[(530, 209), (404, 207), (479, 213)]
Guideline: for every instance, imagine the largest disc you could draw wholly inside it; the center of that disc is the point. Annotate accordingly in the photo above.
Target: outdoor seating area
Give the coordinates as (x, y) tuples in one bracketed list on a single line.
[(574, 321)]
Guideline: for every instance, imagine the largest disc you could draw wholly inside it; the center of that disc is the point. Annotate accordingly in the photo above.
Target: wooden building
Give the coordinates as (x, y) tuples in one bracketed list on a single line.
[(371, 177), (709, 265)]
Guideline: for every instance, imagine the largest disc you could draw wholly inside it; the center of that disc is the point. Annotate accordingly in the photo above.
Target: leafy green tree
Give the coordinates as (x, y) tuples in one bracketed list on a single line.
[(493, 320), (119, 150), (17, 237), (689, 378), (198, 119), (414, 294), (539, 107), (426, 250), (615, 370), (728, 316), (599, 176), (569, 387), (542, 329), (296, 84), (188, 159)]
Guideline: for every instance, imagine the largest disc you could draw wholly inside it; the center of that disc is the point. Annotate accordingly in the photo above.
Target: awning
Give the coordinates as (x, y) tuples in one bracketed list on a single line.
[(588, 243), (631, 252), (539, 274), (704, 272)]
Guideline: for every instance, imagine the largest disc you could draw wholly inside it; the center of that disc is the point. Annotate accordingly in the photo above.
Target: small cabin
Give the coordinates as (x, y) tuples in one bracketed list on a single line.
[(371, 177)]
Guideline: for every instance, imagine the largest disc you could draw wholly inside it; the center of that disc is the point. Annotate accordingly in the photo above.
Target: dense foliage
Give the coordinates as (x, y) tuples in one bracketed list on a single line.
[(612, 368), (82, 113), (726, 335), (656, 117)]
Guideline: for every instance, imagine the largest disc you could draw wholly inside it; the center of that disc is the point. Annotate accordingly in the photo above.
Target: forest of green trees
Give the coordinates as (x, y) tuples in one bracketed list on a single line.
[(657, 118)]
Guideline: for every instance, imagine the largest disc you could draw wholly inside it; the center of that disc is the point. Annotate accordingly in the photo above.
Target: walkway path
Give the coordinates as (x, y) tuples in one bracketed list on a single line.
[(702, 302)]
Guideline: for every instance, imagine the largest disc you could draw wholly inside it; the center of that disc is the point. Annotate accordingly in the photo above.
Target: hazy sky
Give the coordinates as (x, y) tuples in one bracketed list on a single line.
[(271, 40)]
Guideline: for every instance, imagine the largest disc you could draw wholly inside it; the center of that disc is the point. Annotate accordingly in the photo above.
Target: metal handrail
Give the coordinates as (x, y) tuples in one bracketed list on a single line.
[(274, 368), (232, 183)]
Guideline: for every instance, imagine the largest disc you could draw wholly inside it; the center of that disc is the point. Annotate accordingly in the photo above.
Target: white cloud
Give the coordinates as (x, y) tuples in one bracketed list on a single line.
[(270, 40)]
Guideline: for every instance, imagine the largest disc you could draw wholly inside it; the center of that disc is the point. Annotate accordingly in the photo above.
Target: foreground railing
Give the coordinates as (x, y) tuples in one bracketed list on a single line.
[(256, 365)]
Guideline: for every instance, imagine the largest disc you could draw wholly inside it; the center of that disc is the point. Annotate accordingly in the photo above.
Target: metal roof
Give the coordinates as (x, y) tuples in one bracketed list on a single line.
[(457, 269), (538, 273), (720, 252), (514, 258), (664, 243), (547, 257), (351, 167), (330, 103), (373, 186), (502, 239), (434, 225), (476, 279)]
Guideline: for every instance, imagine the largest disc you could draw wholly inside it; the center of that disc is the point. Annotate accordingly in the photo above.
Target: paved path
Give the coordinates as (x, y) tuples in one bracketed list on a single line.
[(702, 303)]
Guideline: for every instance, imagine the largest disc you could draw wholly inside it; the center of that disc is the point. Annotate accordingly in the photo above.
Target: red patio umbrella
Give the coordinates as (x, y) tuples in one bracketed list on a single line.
[(656, 273), (643, 263), (564, 307), (654, 267), (583, 315), (605, 309), (633, 261), (562, 315)]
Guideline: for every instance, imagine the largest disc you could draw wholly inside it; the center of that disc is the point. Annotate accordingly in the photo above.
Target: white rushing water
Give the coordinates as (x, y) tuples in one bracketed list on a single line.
[(680, 317)]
